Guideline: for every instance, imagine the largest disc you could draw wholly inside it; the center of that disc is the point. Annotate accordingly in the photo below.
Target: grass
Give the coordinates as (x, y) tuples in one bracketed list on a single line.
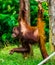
[(17, 58)]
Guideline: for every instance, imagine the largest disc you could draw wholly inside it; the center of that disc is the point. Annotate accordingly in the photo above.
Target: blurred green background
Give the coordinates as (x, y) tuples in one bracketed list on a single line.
[(9, 11)]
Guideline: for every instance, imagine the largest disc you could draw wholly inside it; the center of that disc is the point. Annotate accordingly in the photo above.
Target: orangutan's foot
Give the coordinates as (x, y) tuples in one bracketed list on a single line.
[(11, 52)]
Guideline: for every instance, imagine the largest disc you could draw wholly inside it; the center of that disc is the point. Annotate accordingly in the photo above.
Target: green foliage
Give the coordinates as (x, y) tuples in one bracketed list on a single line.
[(34, 11), (4, 36), (9, 17)]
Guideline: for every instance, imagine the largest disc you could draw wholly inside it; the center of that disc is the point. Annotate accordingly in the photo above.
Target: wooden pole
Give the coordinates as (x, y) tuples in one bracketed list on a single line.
[(52, 24)]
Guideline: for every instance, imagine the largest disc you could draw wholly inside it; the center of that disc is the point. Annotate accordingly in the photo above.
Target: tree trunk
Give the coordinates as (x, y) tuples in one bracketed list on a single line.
[(52, 23), (25, 10)]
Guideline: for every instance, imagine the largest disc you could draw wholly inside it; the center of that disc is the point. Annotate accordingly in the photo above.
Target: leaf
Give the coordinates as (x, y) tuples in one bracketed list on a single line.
[(45, 13), (3, 6), (3, 16), (4, 36)]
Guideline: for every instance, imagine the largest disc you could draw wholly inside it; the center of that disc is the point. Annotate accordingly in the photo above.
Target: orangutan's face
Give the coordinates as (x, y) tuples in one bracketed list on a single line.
[(15, 32)]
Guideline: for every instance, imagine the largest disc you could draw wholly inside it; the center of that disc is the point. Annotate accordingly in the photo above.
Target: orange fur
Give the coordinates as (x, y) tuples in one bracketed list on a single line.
[(30, 35), (40, 26)]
